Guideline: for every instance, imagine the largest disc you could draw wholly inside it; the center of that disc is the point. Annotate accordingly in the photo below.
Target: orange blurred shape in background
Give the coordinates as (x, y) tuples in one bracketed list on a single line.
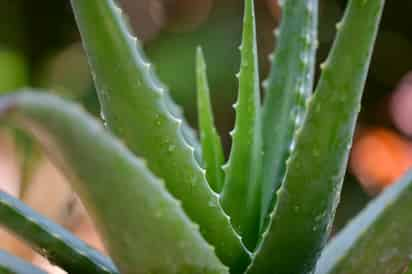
[(379, 158)]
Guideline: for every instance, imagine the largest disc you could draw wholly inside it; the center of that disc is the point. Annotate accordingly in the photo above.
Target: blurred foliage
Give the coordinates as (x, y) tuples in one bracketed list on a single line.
[(172, 29), (13, 70)]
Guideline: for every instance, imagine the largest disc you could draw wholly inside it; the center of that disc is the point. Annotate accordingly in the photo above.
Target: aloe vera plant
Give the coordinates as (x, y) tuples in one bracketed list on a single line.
[(165, 202)]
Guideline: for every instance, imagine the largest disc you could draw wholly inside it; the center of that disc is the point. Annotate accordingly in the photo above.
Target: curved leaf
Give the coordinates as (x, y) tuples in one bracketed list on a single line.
[(137, 107), (211, 144), (378, 240), (138, 219), (307, 200), (10, 264), (51, 240)]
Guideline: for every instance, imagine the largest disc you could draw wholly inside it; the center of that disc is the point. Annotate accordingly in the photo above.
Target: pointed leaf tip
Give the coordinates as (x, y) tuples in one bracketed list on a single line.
[(241, 192), (308, 198), (211, 144)]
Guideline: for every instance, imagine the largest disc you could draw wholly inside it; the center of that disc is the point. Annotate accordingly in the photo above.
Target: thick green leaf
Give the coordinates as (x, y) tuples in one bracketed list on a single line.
[(211, 144), (188, 133), (10, 264), (378, 240), (289, 85), (137, 107), (240, 195), (50, 239), (144, 227), (307, 200)]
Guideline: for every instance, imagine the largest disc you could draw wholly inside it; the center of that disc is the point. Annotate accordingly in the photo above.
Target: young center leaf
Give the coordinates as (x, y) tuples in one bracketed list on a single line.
[(240, 195), (213, 157)]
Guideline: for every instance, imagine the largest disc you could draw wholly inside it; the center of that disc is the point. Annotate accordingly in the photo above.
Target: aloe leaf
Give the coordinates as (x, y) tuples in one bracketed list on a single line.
[(287, 88), (378, 240), (139, 220), (308, 198), (211, 144), (51, 240), (10, 264), (240, 195), (138, 109), (188, 133)]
